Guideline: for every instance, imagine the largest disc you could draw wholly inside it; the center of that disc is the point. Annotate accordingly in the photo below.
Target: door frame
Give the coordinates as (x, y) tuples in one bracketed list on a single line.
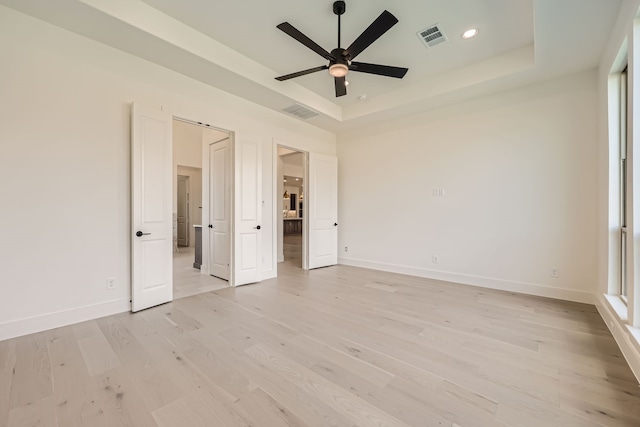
[(205, 195), (277, 205), (205, 198)]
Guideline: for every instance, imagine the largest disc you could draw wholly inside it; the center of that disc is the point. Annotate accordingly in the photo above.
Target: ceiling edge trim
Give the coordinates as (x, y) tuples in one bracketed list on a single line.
[(161, 26), (511, 62)]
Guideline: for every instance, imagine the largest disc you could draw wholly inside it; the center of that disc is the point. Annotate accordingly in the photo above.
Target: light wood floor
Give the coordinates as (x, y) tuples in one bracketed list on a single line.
[(292, 249), (188, 281), (338, 346)]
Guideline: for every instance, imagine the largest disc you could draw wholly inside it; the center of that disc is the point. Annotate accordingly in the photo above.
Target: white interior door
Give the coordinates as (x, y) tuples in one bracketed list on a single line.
[(183, 210), (247, 236), (321, 203), (219, 208), (151, 206)]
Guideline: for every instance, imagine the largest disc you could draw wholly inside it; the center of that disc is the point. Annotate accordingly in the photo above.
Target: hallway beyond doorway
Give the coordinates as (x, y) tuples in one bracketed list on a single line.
[(292, 244)]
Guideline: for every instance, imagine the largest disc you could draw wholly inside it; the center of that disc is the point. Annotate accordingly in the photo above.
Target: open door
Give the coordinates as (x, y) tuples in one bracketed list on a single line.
[(151, 206), (219, 208), (321, 202), (247, 235)]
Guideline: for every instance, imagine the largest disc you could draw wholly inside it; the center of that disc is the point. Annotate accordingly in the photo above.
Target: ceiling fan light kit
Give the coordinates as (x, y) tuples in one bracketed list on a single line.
[(341, 60), (338, 70)]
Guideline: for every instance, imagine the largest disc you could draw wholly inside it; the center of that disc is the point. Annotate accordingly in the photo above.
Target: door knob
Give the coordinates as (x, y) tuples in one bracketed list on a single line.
[(210, 226), (140, 234), (257, 227), (335, 224)]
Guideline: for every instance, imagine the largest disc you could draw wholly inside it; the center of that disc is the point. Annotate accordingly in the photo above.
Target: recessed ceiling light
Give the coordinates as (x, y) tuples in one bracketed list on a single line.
[(470, 33), (363, 97)]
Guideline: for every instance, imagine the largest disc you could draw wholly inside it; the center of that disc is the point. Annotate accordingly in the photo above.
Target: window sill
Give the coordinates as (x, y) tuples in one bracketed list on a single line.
[(618, 306), (614, 312)]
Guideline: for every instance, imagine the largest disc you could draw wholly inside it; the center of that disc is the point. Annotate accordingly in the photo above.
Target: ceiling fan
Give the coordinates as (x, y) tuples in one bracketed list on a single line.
[(341, 60)]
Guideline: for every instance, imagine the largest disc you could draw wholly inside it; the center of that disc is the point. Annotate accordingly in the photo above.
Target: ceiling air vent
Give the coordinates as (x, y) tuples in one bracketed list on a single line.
[(432, 36), (300, 111)]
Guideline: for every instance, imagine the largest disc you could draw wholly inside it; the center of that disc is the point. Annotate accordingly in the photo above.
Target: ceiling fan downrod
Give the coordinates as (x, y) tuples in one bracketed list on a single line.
[(339, 7)]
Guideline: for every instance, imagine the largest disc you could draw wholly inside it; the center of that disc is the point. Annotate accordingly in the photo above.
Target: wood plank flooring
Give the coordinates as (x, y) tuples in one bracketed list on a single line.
[(338, 346), (188, 281)]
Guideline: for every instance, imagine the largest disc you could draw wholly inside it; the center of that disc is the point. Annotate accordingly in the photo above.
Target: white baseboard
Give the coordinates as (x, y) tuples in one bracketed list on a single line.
[(485, 282), (627, 338), (30, 325)]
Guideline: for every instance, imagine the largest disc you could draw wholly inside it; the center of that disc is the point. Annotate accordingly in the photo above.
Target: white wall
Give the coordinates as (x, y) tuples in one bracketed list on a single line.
[(187, 144), (65, 128), (293, 170), (519, 174)]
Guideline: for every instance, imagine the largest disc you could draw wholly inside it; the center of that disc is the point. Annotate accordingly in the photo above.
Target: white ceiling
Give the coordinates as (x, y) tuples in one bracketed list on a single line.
[(290, 157), (235, 46), (505, 24)]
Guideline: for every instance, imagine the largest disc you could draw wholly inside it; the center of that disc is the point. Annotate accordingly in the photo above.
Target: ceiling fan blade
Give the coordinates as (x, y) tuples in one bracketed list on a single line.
[(381, 25), (296, 34), (302, 73), (341, 86), (381, 70)]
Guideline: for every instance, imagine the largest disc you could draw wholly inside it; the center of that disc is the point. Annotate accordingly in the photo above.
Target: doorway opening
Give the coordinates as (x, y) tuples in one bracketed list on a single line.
[(184, 214), (188, 222), (292, 236)]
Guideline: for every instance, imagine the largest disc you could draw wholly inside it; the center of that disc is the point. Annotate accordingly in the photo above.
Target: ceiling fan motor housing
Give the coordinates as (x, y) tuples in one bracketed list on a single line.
[(340, 55), (339, 7)]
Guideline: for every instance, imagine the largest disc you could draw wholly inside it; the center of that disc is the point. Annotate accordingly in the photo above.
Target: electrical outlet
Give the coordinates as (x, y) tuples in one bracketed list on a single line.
[(346, 248), (555, 273), (441, 192), (435, 259), (435, 192), (111, 283)]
